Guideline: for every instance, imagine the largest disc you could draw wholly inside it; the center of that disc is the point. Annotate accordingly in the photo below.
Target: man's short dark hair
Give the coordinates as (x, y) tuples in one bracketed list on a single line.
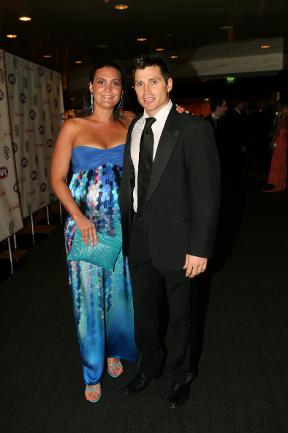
[(216, 101), (144, 60)]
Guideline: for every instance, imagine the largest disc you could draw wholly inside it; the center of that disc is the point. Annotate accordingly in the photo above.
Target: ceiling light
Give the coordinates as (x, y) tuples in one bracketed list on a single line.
[(206, 99), (121, 6), (174, 57), (78, 62), (141, 39), (47, 56), (25, 19), (226, 28), (265, 46), (160, 49), (11, 36)]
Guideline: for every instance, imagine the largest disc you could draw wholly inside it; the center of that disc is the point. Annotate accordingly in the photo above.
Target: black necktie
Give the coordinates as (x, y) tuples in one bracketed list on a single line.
[(145, 163)]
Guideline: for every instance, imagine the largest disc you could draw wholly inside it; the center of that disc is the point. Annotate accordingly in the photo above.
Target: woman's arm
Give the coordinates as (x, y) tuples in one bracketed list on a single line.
[(59, 169)]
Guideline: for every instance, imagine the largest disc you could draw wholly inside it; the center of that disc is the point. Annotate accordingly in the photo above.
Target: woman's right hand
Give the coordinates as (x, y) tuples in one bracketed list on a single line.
[(87, 229)]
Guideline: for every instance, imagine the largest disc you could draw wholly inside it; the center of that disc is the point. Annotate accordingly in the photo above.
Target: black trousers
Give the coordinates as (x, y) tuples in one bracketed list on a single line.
[(152, 291)]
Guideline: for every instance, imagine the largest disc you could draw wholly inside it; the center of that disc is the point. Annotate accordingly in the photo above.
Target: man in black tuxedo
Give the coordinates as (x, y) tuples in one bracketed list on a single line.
[(169, 201), (218, 110)]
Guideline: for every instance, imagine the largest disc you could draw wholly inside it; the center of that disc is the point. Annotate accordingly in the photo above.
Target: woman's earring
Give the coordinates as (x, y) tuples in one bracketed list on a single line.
[(120, 103), (91, 102)]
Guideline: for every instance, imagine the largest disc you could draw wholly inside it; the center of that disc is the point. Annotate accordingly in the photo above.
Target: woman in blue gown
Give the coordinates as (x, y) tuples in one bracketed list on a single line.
[(102, 299)]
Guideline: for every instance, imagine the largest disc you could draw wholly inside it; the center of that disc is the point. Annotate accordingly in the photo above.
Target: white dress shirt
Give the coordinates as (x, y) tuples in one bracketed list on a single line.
[(157, 128)]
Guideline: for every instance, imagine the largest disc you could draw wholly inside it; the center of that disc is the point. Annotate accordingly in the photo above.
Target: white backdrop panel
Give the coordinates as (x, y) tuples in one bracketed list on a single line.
[(36, 111), (10, 213)]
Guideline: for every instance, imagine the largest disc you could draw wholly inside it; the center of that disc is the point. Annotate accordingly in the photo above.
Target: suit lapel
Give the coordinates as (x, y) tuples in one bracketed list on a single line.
[(165, 148)]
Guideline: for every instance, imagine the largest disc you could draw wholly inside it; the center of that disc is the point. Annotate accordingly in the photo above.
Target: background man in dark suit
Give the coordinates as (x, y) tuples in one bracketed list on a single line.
[(219, 108), (169, 202)]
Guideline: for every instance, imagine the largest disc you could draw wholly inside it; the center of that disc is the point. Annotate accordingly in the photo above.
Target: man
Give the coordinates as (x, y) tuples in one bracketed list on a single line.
[(218, 110), (233, 154), (169, 201)]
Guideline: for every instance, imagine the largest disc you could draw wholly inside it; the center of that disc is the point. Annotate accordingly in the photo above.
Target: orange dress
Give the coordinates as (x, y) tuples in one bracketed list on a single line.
[(278, 168)]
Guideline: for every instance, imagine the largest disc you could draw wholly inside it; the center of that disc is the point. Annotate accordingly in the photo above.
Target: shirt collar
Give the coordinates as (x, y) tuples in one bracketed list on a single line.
[(161, 115)]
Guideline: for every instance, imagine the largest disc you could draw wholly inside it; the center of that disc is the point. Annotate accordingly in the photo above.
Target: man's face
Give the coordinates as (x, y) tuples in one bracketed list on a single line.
[(222, 109), (151, 88)]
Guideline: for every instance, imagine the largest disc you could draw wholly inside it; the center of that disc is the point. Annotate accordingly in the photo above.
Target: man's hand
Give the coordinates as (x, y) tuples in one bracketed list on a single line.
[(194, 265)]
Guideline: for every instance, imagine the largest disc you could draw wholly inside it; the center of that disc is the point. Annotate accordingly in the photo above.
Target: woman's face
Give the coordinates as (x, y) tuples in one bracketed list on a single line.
[(106, 87)]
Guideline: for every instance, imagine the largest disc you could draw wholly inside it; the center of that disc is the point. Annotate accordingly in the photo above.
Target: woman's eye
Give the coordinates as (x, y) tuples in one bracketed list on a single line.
[(100, 82)]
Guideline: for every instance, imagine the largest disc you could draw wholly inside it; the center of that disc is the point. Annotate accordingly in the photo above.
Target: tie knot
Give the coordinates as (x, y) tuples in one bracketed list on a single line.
[(149, 121)]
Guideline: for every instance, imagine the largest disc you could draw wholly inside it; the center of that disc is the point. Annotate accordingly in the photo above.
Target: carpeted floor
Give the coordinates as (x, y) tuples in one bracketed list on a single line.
[(242, 385)]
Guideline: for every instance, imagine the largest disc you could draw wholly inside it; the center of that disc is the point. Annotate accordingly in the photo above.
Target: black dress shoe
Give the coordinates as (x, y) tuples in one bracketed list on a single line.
[(179, 393), (139, 382)]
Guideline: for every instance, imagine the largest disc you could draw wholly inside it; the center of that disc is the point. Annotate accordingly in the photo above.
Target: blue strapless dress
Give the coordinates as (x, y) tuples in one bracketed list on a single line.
[(102, 299)]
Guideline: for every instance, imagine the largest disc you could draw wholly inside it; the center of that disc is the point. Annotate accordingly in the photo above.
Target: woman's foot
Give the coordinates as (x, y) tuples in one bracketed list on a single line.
[(114, 367), (93, 393)]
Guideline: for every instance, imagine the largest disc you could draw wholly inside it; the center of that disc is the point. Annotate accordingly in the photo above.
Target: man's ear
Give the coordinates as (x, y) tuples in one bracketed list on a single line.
[(169, 84)]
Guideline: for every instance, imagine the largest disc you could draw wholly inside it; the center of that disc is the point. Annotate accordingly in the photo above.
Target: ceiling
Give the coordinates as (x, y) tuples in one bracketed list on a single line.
[(89, 29)]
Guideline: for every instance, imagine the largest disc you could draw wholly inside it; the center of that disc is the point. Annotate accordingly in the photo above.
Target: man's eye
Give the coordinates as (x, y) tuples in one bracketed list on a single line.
[(139, 84)]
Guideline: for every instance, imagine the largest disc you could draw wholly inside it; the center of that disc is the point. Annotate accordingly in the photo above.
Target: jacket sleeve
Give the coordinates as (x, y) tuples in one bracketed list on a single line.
[(204, 188)]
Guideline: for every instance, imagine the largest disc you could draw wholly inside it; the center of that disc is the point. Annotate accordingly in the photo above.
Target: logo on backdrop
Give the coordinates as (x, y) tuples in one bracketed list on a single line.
[(15, 62), (16, 188), (16, 130), (49, 88), (6, 152), (40, 71), (11, 227), (22, 98), (3, 172), (49, 142), (43, 187), (12, 79), (1, 95), (24, 162), (15, 147), (2, 76), (51, 197), (32, 114), (55, 103), (41, 129), (34, 175)]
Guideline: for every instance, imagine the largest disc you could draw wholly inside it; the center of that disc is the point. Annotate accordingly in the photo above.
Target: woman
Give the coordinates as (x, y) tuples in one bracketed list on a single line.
[(102, 299), (278, 168)]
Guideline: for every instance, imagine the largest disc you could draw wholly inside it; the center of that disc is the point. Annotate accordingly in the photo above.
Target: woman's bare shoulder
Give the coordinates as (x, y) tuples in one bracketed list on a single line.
[(73, 123)]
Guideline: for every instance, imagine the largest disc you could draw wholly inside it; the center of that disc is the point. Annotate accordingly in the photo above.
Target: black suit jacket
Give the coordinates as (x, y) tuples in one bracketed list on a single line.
[(183, 197)]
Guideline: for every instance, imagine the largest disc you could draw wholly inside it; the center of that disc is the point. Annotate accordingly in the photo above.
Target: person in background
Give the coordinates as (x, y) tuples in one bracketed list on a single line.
[(218, 111), (278, 168)]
